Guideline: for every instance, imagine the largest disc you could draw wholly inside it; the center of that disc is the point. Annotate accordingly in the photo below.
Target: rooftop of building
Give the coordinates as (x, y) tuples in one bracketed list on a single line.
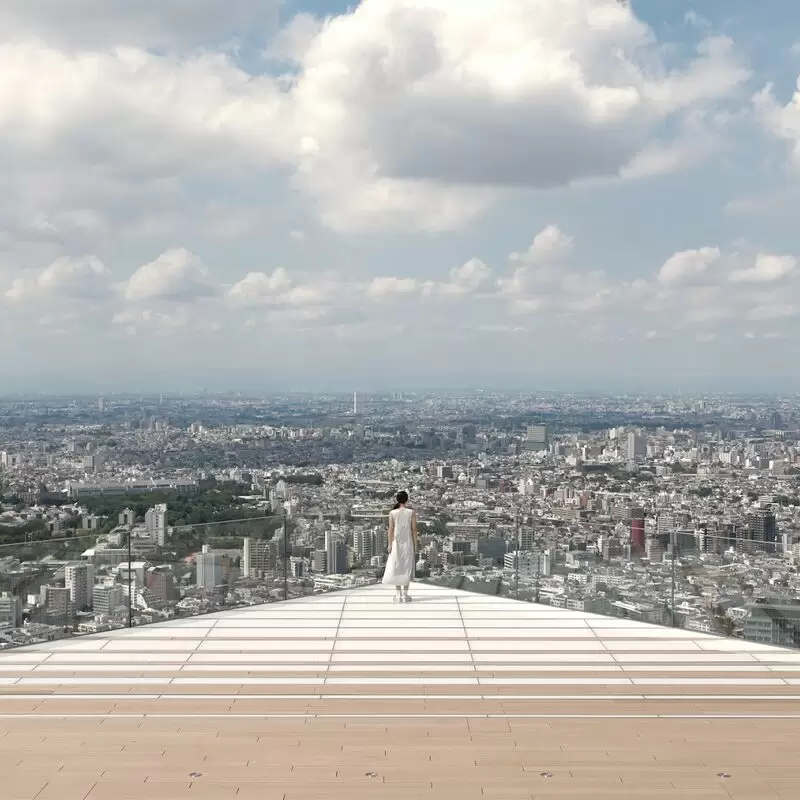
[(347, 695)]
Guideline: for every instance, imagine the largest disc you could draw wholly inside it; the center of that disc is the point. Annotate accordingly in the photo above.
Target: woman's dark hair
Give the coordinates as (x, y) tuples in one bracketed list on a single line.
[(402, 499)]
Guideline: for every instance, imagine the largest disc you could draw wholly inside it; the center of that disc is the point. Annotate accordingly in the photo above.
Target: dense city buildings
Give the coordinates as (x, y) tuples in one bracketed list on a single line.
[(675, 510)]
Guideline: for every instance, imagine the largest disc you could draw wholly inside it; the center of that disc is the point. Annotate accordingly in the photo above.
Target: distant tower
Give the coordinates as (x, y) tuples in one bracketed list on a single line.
[(101, 404), (355, 403), (246, 556)]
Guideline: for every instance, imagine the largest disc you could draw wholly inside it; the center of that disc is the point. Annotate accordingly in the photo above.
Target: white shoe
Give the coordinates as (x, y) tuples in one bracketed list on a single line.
[(397, 599), (407, 598)]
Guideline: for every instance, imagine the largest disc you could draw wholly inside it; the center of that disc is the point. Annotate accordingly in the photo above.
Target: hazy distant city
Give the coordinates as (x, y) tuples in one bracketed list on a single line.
[(121, 510)]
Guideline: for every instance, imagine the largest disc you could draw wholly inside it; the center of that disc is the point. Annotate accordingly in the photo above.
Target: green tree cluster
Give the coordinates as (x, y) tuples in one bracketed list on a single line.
[(219, 503)]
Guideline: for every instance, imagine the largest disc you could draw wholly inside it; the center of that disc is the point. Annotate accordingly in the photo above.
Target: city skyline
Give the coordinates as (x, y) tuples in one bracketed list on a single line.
[(270, 267), (324, 195)]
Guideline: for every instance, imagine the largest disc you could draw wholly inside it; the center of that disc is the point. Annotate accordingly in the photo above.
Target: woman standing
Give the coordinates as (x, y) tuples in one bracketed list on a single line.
[(402, 548)]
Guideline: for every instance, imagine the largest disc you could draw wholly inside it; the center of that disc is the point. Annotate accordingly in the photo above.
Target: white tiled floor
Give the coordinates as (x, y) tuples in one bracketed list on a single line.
[(361, 639)]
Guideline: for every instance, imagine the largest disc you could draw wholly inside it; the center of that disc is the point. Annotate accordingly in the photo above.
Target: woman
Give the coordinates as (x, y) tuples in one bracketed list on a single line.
[(402, 548)]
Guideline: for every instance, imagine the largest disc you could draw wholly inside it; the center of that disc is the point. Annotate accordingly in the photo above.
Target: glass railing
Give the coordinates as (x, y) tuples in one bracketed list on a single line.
[(736, 585), (69, 586), (732, 585)]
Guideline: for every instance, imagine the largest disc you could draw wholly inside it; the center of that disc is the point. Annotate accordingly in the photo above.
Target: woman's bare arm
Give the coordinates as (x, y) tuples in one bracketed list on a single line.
[(414, 531), (391, 531)]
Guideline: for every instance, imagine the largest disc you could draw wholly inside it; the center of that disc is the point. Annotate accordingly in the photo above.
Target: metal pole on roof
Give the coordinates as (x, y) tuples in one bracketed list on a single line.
[(130, 587), (516, 560), (674, 537), (285, 560)]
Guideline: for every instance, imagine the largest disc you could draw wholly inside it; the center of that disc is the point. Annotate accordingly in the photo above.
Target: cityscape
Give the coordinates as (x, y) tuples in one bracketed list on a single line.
[(398, 400), (119, 511)]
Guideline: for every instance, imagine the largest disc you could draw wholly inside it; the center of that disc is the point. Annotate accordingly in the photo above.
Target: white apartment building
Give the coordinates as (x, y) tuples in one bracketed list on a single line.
[(210, 568), (530, 563), (107, 599), (155, 522), (79, 579)]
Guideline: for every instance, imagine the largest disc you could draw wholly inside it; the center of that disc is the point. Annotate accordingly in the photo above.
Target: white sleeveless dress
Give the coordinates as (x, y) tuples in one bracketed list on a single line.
[(400, 564)]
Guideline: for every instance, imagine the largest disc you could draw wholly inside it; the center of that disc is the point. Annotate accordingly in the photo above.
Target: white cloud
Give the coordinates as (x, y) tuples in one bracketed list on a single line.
[(783, 121), (390, 117), (309, 300), (502, 329), (464, 280), (548, 245), (708, 314), (769, 311), (767, 269), (540, 271), (687, 265), (126, 127), (259, 288), (388, 286), (133, 109), (776, 201), (542, 282), (176, 275), (401, 101), (145, 23), (293, 41), (81, 278)]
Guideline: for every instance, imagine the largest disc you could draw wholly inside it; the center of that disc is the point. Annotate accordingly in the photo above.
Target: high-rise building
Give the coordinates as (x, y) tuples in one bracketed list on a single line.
[(365, 544), (535, 438), (529, 563), (336, 555), (246, 550), (761, 532), (127, 517), (155, 521), (79, 580), (637, 446), (133, 573), (57, 604), (161, 582), (654, 550), (776, 624), (665, 525), (107, 599), (637, 537), (526, 539), (263, 557), (320, 561), (209, 568), (355, 403), (10, 610), (493, 548), (94, 462)]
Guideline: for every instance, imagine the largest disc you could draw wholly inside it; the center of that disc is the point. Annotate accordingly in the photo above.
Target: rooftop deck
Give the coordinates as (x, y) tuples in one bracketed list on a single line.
[(347, 695)]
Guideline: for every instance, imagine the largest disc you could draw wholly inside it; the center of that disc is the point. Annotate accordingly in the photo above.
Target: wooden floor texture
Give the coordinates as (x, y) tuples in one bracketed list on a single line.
[(348, 696)]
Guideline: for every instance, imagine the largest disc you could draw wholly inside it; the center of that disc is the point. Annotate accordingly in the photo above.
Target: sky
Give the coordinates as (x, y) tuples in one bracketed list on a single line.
[(395, 194)]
